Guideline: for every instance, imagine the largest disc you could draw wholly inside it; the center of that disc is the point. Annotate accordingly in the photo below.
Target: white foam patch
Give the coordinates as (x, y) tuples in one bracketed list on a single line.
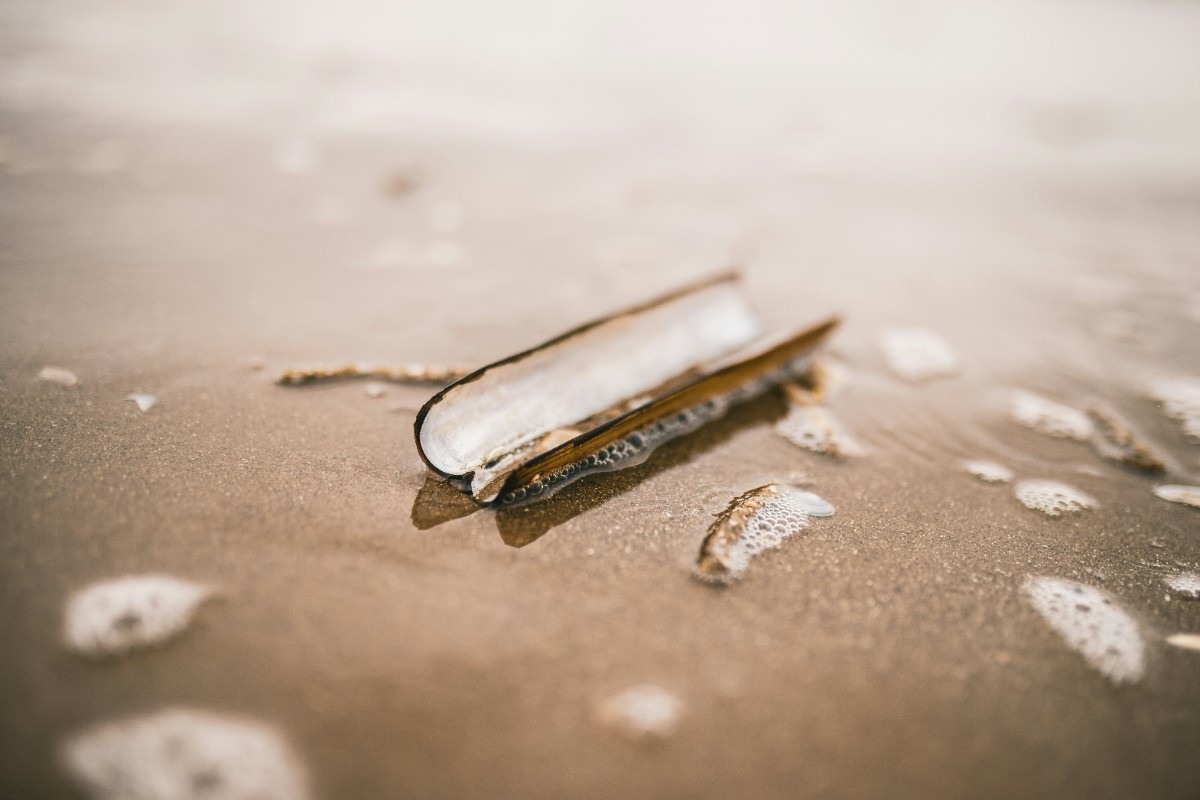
[(988, 471), (641, 713), (1092, 624), (1185, 584), (762, 521), (144, 401), (1188, 495), (63, 377), (1052, 498), (1188, 641), (1055, 419), (766, 529), (814, 428), (1180, 400), (916, 354), (180, 754), (111, 618)]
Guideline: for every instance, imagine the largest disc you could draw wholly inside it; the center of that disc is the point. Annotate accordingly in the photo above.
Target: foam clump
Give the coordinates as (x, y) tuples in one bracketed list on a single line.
[(181, 754), (917, 354), (1188, 495), (114, 617), (144, 401), (1188, 641), (814, 428), (641, 713), (1117, 441), (63, 377), (1052, 498), (756, 521), (1092, 624), (1185, 584), (989, 471), (1036, 412), (1180, 400)]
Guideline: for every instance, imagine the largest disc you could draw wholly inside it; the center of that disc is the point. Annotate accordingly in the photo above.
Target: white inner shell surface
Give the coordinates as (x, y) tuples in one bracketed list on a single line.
[(517, 403)]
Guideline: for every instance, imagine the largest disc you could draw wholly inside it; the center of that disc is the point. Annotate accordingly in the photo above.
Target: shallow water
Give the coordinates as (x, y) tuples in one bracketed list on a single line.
[(197, 196)]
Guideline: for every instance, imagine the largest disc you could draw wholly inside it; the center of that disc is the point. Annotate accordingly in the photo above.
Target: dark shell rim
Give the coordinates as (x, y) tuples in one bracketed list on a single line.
[(727, 276)]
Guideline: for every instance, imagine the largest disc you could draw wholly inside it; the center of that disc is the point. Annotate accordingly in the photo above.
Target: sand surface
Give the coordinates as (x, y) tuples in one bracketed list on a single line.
[(195, 196)]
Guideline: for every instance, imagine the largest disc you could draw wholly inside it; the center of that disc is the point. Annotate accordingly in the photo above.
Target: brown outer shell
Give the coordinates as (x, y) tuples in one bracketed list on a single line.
[(705, 387)]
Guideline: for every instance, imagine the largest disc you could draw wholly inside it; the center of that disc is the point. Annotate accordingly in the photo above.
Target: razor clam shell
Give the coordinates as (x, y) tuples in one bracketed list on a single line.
[(631, 438), (629, 382), (508, 406)]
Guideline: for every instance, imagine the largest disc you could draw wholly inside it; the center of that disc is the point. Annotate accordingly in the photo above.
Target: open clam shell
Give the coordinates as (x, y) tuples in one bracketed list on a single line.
[(605, 395)]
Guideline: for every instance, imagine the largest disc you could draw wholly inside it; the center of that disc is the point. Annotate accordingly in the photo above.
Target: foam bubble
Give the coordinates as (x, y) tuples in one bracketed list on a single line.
[(916, 354), (1055, 419), (1092, 624), (641, 713), (814, 428), (1185, 584), (63, 377), (756, 521), (1052, 498), (1188, 641), (181, 754), (113, 617), (1188, 495), (1180, 400), (989, 471), (814, 504), (144, 401)]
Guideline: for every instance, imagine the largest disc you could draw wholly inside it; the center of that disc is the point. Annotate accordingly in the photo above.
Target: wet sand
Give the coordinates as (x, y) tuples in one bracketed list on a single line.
[(406, 644)]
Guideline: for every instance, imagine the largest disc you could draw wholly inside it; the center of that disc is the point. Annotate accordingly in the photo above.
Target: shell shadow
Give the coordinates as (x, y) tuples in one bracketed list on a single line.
[(438, 502), (523, 526)]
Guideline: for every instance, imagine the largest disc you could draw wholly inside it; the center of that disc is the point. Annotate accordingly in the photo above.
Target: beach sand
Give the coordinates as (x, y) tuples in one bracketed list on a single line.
[(186, 220)]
